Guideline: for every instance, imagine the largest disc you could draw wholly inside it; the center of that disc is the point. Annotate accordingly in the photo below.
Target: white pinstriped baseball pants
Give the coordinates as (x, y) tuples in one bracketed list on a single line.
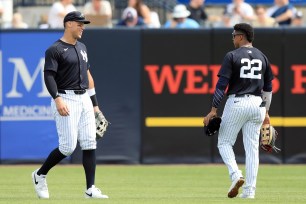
[(78, 126), (242, 112)]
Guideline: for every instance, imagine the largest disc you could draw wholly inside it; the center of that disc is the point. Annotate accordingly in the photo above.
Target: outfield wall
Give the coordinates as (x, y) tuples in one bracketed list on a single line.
[(154, 86)]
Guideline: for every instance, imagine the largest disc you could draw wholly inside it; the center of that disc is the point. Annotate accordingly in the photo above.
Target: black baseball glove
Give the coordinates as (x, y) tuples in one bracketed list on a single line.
[(213, 126)]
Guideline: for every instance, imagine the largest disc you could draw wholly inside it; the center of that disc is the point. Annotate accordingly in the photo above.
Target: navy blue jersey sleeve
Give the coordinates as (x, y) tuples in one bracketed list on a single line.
[(226, 68), (268, 77), (51, 85), (51, 61), (219, 92)]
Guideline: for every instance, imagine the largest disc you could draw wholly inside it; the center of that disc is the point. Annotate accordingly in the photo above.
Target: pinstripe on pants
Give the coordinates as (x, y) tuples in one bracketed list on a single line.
[(243, 112), (78, 126)]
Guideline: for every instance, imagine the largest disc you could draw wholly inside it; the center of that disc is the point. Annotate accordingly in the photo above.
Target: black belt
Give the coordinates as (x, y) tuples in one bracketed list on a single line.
[(79, 92), (244, 95)]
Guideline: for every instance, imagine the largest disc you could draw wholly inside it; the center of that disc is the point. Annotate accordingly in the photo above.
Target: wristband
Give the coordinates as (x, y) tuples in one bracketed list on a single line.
[(267, 98), (94, 100), (91, 92)]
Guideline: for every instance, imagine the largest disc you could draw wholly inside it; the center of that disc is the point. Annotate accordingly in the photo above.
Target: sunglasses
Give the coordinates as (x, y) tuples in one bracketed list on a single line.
[(235, 34)]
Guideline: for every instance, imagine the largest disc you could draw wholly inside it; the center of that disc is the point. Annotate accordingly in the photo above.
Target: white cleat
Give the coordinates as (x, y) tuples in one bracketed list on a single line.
[(242, 195), (94, 192), (40, 185), (234, 189)]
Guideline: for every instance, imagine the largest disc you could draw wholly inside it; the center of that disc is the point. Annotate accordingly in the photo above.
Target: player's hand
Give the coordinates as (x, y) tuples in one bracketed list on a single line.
[(267, 119), (97, 109), (211, 114), (61, 106)]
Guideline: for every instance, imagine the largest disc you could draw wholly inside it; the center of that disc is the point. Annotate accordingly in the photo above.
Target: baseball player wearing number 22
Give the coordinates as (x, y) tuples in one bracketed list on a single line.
[(246, 72), (69, 82)]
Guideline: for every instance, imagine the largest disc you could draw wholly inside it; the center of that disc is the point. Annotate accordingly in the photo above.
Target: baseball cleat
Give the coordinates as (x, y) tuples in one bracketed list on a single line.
[(94, 192), (242, 195), (234, 189), (40, 185)]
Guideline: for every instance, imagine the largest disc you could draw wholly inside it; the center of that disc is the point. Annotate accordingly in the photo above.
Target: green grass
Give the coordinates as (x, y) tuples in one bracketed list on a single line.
[(153, 184)]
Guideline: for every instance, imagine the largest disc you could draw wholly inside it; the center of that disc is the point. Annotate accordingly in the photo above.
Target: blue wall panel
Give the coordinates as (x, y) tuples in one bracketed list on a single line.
[(27, 127)]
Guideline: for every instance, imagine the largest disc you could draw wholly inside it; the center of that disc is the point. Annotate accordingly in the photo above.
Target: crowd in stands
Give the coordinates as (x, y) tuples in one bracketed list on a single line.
[(138, 14)]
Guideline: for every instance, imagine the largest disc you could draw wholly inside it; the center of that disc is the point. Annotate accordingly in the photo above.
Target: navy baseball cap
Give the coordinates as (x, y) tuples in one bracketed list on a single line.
[(76, 16)]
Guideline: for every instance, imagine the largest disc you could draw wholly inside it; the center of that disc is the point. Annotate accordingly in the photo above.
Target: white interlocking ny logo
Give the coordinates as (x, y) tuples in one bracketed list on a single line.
[(84, 55)]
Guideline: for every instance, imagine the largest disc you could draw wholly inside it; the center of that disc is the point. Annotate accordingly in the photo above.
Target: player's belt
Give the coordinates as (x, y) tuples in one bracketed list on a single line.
[(79, 92), (244, 95)]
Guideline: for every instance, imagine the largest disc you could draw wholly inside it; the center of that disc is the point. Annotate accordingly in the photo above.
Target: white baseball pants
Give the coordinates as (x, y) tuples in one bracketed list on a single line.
[(78, 126), (242, 112)]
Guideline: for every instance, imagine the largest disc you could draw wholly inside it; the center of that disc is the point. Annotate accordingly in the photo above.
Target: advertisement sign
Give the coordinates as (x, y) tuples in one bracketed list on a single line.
[(178, 83), (27, 127), (294, 99), (180, 73), (154, 86)]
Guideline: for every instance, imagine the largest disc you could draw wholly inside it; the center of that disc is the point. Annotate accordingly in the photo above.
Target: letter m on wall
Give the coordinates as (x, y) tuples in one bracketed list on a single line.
[(20, 69)]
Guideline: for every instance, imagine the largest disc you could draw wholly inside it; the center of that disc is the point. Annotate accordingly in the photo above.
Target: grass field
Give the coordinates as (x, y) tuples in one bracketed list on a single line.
[(138, 184)]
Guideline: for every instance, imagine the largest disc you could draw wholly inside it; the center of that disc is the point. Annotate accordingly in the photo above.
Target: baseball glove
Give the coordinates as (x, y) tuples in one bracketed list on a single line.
[(101, 124), (213, 126), (268, 136)]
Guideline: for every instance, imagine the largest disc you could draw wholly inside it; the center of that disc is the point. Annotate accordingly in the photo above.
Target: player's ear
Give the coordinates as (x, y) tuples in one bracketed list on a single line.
[(243, 37), (69, 24), (240, 37)]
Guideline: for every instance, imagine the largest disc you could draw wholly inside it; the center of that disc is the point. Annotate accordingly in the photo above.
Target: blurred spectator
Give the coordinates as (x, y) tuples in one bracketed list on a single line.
[(43, 22), (238, 12), (142, 9), (197, 11), (99, 7), (17, 22), (180, 20), (282, 12), (1, 13), (130, 18), (297, 21), (58, 11), (6, 13), (262, 19), (155, 23)]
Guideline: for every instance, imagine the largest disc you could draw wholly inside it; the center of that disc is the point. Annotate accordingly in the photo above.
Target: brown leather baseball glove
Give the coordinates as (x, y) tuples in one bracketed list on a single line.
[(268, 136)]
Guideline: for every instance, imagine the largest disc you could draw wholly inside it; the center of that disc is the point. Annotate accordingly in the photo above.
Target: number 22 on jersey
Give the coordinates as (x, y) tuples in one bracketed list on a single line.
[(251, 69)]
